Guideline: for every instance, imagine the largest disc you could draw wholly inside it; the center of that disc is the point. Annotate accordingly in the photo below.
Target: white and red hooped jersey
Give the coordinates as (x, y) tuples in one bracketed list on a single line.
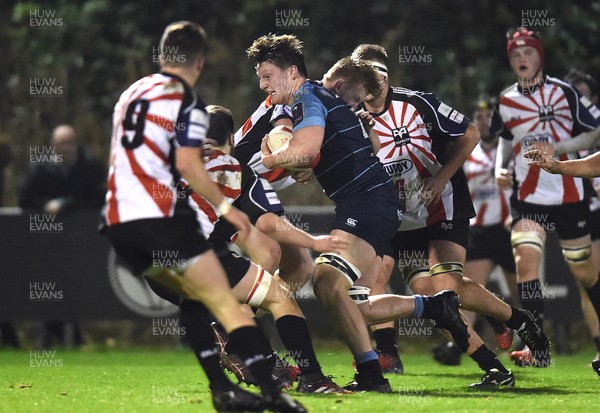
[(153, 117), (415, 130), (226, 172), (248, 138), (492, 204), (551, 112)]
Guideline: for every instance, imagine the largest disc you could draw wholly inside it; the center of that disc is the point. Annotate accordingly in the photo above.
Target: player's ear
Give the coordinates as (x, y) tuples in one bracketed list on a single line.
[(230, 140), (200, 63), (337, 85)]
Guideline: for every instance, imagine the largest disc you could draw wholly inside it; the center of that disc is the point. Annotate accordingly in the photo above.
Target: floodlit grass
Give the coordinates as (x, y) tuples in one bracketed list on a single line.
[(170, 381)]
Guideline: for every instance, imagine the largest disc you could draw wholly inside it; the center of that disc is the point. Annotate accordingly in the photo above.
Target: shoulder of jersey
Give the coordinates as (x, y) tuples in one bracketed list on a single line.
[(511, 88), (403, 91), (560, 83), (322, 91)]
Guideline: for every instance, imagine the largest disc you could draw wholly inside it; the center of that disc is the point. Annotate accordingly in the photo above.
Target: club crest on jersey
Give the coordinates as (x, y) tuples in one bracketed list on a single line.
[(398, 168), (401, 136), (298, 113), (546, 113)]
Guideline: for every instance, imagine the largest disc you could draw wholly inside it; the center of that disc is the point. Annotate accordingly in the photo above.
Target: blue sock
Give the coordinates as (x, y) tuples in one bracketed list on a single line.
[(418, 313), (365, 357)]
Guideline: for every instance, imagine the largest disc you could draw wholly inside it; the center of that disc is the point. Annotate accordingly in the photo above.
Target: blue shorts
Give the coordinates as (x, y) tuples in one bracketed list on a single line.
[(373, 216)]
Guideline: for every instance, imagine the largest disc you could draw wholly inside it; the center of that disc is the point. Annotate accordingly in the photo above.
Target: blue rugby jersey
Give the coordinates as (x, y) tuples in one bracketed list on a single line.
[(347, 165)]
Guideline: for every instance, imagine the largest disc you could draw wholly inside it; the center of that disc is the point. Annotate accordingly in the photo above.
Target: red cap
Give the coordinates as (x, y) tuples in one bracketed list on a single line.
[(524, 37)]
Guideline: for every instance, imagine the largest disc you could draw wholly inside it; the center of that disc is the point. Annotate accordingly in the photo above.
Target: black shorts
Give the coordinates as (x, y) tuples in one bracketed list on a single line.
[(595, 224), (411, 248), (235, 266), (374, 217), (491, 243), (160, 242), (256, 199), (569, 221)]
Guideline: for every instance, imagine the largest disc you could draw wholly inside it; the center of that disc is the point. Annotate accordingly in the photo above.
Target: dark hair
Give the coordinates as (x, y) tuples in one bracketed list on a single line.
[(577, 76), (181, 43), (283, 51), (370, 52), (355, 72), (220, 124)]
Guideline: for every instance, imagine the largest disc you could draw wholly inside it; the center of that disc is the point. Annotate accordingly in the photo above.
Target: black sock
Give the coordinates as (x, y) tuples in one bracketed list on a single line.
[(385, 338), (517, 318), (254, 349), (596, 341), (370, 371), (532, 298), (229, 345), (294, 334), (594, 294), (486, 359), (498, 326), (196, 319)]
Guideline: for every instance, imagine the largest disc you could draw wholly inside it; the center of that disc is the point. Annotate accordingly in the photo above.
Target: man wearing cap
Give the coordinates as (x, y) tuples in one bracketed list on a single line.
[(542, 111)]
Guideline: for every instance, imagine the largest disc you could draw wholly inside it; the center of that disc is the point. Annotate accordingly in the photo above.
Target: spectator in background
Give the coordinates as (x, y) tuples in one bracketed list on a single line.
[(77, 180), (72, 180)]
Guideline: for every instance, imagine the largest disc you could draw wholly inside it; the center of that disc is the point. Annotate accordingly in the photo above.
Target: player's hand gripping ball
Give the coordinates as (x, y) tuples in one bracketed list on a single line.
[(279, 136)]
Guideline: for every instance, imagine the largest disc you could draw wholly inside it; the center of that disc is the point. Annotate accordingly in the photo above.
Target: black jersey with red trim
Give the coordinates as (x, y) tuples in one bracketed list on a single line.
[(416, 131)]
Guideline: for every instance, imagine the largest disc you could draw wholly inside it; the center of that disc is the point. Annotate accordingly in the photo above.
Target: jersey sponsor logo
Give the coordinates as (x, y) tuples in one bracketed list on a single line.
[(351, 222), (581, 224), (401, 136), (546, 113), (272, 198), (444, 109), (529, 140), (298, 113), (456, 116), (398, 168)]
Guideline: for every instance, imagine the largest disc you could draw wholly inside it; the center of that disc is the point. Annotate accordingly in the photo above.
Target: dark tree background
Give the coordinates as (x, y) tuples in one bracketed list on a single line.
[(104, 45)]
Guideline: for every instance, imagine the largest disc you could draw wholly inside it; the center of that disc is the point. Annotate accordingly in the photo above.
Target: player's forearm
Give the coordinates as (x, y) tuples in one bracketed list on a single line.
[(588, 167), (503, 155), (585, 140), (286, 159), (374, 138), (463, 147), (287, 233)]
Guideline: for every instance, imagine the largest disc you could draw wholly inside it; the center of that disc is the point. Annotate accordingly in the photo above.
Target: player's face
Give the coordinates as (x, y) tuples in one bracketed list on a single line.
[(525, 61), (353, 95), (277, 82)]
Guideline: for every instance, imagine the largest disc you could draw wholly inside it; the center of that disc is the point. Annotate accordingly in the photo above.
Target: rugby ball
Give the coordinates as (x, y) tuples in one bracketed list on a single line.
[(279, 136)]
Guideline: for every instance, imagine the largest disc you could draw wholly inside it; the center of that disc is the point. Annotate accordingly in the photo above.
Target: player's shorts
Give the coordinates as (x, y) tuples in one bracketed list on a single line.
[(491, 243), (160, 242), (570, 221), (235, 266), (411, 248), (595, 224), (373, 216), (256, 199)]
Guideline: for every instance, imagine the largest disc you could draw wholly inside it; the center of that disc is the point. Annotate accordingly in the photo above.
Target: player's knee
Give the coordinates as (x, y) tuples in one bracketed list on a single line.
[(577, 255), (527, 239), (267, 223)]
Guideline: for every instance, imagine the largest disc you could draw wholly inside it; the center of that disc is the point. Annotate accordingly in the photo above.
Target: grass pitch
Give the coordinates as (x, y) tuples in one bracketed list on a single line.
[(171, 381)]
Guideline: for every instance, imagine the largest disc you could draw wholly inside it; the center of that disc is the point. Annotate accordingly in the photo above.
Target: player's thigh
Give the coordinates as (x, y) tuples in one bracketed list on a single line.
[(358, 251), (478, 270)]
